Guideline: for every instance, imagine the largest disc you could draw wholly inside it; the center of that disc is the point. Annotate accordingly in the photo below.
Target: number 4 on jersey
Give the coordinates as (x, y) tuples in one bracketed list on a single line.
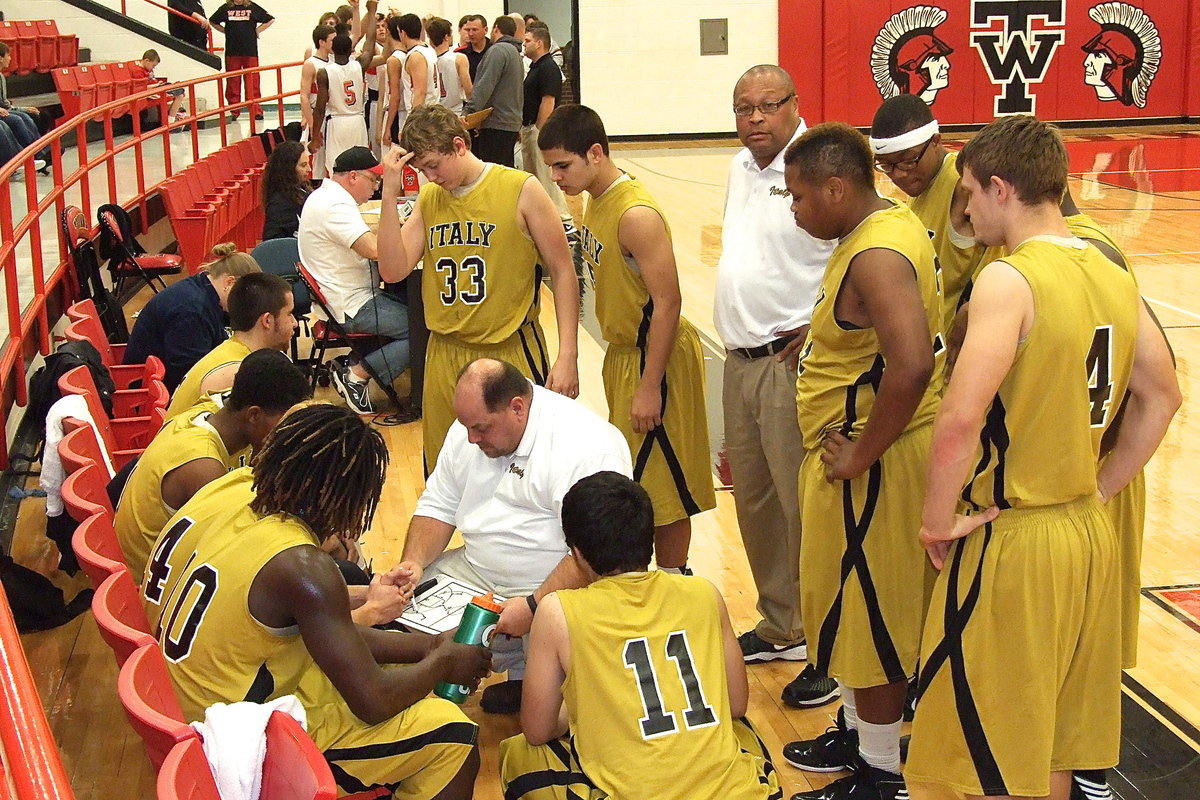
[(1099, 372), (657, 722)]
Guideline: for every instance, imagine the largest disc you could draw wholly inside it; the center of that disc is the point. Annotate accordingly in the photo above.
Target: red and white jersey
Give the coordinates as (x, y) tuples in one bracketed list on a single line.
[(451, 91), (347, 89), (432, 81)]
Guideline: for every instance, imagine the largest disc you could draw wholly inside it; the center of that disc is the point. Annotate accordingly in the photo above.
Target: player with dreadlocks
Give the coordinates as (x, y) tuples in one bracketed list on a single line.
[(251, 541)]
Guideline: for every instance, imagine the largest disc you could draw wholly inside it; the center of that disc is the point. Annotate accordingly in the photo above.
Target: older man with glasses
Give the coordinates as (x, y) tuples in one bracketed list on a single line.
[(340, 252), (908, 149), (767, 281)]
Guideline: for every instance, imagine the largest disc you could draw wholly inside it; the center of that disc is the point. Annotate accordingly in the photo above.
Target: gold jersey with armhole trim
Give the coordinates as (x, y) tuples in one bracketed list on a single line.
[(647, 692), (1040, 441), (481, 276), (958, 264), (188, 393), (672, 461), (197, 588), (840, 367), (142, 512)]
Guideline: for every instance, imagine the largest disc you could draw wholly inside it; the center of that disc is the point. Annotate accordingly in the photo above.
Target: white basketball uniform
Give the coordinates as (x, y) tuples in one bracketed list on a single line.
[(318, 158), (451, 94), (433, 89), (344, 123), (375, 108), (385, 91)]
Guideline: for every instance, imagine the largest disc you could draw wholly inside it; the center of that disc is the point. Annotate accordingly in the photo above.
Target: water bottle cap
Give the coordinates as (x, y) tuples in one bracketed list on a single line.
[(487, 601)]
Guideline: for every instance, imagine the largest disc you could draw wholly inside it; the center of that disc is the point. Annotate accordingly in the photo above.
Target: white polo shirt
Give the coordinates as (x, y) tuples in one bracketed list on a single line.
[(770, 269), (509, 509), (330, 224)]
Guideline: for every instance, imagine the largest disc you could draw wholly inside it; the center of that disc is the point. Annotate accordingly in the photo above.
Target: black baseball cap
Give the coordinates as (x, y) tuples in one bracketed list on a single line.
[(358, 158)]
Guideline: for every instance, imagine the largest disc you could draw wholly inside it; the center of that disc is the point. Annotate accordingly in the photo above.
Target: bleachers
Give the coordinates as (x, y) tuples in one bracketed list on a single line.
[(84, 86), (37, 46), (216, 200)]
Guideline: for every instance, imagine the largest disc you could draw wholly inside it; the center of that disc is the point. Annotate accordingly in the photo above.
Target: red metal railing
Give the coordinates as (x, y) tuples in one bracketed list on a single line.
[(27, 322), (188, 17)]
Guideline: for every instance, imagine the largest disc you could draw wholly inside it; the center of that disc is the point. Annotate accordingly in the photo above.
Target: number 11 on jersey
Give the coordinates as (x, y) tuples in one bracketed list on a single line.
[(658, 722)]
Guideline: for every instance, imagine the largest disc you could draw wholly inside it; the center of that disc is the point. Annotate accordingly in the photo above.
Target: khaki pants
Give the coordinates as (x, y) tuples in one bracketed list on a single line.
[(531, 162), (762, 438)]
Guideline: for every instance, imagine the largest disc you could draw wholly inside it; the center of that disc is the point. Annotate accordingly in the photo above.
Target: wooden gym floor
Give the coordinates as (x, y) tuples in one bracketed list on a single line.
[(1144, 187)]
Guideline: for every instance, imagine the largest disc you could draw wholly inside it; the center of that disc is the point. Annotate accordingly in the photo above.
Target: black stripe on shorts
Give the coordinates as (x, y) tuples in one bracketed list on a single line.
[(464, 733)]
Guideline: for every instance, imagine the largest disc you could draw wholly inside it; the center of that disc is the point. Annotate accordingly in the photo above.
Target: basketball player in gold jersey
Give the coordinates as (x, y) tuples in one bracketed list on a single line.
[(653, 367), (247, 607), (908, 149), (1020, 680), (866, 394), (636, 685), (202, 444), (484, 231)]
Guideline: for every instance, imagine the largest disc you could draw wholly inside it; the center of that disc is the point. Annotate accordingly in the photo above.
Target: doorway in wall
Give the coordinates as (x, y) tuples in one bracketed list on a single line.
[(562, 16)]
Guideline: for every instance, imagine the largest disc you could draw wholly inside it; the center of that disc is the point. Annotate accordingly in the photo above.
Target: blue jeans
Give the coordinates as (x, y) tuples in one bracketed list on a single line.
[(9, 147), (23, 128), (384, 315)]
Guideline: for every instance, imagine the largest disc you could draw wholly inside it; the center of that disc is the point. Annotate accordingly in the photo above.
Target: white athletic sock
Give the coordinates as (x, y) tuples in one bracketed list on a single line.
[(849, 710), (354, 378), (879, 745)]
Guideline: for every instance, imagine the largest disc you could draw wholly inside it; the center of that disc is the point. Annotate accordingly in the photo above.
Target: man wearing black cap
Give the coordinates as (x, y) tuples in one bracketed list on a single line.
[(339, 251)]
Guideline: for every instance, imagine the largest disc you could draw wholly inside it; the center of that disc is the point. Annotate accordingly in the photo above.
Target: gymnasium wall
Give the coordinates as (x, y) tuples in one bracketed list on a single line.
[(973, 60)]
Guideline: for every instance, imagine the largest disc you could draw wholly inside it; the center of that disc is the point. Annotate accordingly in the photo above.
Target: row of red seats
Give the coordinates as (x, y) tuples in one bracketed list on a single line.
[(37, 46), (89, 85), (216, 199)]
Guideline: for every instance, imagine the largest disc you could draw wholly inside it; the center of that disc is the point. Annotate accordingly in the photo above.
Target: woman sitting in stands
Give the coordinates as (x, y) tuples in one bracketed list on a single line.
[(284, 189)]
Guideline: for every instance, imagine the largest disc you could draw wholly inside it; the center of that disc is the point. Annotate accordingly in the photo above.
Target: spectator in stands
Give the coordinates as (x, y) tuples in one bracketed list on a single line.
[(338, 248), (242, 21), (187, 319), (193, 31), (20, 120), (143, 69), (285, 187), (260, 314)]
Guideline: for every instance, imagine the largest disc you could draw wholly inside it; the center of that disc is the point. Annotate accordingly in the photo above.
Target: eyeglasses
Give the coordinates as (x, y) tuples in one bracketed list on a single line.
[(766, 109), (907, 165), (375, 179)]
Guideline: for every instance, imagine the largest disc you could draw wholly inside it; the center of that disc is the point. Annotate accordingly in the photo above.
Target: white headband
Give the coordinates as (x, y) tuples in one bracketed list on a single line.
[(905, 140)]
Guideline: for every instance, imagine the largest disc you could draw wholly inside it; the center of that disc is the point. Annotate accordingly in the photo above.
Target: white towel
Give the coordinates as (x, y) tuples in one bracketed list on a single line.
[(235, 742), (71, 405)]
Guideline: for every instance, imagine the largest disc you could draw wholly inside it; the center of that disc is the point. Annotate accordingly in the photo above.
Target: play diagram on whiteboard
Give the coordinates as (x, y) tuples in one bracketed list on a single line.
[(440, 608)]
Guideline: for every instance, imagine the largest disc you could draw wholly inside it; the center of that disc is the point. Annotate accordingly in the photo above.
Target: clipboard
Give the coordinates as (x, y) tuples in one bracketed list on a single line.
[(439, 608), (475, 119)]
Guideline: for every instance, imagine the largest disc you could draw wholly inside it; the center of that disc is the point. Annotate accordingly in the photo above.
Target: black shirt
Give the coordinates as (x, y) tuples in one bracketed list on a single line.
[(240, 23), (186, 30), (180, 325), (544, 78), (282, 216), (474, 58)]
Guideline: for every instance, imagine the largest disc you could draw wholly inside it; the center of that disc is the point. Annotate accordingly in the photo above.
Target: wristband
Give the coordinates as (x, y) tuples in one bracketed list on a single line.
[(532, 603)]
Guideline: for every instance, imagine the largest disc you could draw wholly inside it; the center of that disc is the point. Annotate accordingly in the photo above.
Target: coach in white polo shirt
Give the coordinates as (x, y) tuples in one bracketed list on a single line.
[(767, 279), (507, 463), (339, 250)]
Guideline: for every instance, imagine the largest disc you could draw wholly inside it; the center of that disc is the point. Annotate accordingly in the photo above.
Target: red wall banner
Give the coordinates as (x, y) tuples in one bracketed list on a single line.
[(974, 60)]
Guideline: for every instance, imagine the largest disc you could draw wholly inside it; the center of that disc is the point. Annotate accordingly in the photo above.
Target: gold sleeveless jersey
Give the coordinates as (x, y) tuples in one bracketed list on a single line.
[(647, 687), (1041, 436), (142, 513), (1085, 227), (958, 264), (840, 367), (623, 305), (481, 276), (197, 588), (187, 394)]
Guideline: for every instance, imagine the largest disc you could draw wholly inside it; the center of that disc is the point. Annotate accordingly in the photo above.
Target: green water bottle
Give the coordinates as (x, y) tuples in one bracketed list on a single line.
[(478, 624)]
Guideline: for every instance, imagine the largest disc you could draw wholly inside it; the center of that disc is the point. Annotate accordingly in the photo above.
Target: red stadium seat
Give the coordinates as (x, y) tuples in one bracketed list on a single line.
[(96, 547), (294, 767), (185, 774), (123, 438), (80, 447), (25, 58), (121, 616), (47, 33), (105, 88), (85, 79), (122, 85), (150, 703), (84, 494)]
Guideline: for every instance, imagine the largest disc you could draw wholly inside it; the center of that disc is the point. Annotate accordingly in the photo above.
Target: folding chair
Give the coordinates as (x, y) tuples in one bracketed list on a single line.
[(129, 260), (329, 332), (121, 617), (280, 257), (98, 552), (150, 703)]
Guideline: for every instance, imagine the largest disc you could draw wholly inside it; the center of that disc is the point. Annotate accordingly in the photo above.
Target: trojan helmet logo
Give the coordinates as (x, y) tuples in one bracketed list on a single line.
[(1123, 57), (908, 58)]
